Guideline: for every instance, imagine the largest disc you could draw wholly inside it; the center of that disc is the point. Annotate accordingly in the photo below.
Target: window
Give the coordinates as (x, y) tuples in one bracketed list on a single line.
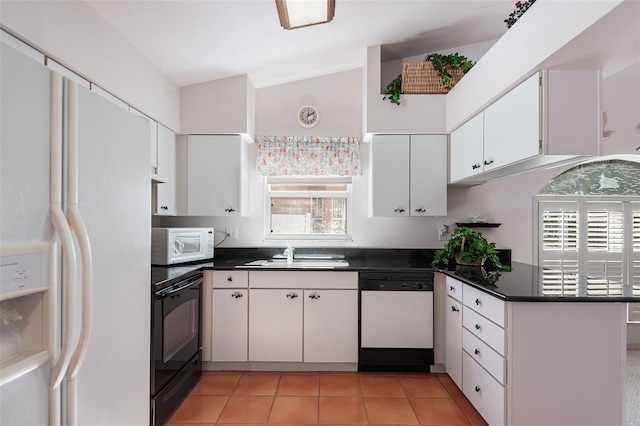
[(589, 224), (308, 208)]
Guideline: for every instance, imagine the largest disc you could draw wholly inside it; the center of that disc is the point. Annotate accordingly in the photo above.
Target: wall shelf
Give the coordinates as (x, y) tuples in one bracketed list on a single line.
[(478, 225)]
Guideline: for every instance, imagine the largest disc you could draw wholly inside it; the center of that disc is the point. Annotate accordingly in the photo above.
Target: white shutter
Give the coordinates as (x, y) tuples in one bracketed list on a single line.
[(558, 247), (634, 274)]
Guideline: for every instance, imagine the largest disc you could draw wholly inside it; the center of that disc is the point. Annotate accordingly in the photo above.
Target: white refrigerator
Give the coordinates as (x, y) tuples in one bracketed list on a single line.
[(104, 381)]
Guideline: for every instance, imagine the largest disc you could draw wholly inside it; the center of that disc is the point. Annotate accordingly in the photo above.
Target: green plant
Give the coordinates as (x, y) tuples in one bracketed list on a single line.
[(443, 63), (394, 89), (467, 246)]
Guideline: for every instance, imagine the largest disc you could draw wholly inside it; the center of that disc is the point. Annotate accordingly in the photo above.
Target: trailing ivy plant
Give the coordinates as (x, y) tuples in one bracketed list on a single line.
[(394, 89), (442, 63), (468, 246)]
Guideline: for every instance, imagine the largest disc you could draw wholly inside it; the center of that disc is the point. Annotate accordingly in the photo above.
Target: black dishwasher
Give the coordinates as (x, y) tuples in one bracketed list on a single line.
[(396, 321)]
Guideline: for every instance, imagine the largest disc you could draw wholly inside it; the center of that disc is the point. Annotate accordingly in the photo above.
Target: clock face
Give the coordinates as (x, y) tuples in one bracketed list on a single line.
[(308, 116)]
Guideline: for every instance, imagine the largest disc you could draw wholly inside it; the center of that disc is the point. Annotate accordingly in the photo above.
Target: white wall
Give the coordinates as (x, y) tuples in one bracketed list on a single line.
[(73, 34)]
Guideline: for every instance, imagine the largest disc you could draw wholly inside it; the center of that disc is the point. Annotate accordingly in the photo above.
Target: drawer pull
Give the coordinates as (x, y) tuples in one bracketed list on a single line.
[(454, 309), (314, 296), (292, 295), (230, 278), (452, 288), (478, 301), (236, 295), (477, 352), (477, 326), (477, 389)]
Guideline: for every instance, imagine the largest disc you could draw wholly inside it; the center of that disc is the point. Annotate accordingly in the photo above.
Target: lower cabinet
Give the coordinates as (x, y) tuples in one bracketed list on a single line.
[(275, 325), (330, 326), (230, 325), (536, 363), (281, 316), (453, 340)]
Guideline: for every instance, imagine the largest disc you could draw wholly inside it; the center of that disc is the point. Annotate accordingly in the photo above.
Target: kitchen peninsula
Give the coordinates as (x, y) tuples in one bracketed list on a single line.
[(535, 346)]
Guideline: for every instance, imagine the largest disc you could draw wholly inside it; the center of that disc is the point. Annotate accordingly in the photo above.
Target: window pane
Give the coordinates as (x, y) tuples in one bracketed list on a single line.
[(308, 216), (605, 231)]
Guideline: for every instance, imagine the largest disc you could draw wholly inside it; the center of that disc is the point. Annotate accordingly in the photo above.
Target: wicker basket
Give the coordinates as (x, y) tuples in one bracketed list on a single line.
[(419, 78)]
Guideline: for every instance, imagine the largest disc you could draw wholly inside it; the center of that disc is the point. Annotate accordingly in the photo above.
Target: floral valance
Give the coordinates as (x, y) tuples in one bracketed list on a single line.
[(307, 156)]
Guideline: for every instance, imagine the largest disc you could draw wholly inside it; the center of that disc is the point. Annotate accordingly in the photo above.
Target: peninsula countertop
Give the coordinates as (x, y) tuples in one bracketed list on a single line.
[(530, 283)]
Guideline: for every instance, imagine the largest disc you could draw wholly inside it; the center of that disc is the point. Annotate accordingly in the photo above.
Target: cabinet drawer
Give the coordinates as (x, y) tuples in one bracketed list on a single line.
[(454, 288), (485, 304), (489, 359), (487, 331), (304, 279), (483, 391), (230, 279)]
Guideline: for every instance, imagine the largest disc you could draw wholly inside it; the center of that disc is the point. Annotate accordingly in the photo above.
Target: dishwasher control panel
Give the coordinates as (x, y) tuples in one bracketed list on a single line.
[(392, 281)]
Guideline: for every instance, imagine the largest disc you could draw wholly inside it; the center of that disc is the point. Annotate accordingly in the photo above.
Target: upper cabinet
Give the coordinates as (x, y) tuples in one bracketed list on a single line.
[(217, 173), (165, 194), (552, 117), (408, 175), (224, 106)]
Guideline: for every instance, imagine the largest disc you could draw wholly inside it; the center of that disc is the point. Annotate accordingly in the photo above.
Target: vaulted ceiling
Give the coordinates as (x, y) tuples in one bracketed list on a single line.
[(193, 41)]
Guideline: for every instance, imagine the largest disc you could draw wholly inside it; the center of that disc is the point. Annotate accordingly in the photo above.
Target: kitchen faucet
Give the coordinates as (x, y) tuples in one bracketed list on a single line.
[(289, 251)]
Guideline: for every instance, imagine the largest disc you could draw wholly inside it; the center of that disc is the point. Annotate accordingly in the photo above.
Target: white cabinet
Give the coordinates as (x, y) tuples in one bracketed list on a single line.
[(330, 326), (408, 175), (230, 316), (165, 194), (552, 117), (275, 331), (467, 149), (153, 140), (216, 175), (292, 313), (453, 331), (510, 352)]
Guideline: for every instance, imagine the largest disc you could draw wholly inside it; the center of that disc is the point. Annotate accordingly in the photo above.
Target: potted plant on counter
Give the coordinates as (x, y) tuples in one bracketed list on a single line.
[(467, 247)]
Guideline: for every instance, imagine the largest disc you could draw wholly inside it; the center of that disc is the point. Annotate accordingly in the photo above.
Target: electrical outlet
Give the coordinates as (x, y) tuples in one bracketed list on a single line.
[(232, 233), (443, 233)]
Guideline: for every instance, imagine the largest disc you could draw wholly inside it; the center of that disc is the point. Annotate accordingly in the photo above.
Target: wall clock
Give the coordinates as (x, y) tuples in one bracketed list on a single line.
[(308, 116)]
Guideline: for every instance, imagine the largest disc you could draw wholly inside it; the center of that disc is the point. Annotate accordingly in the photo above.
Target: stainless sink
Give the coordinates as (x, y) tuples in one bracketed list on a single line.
[(297, 264)]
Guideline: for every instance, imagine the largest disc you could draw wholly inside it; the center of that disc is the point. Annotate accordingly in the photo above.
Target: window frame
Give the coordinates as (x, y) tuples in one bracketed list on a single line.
[(308, 180)]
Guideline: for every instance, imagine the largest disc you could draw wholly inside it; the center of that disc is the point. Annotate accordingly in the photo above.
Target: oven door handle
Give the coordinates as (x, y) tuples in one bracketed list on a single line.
[(165, 293)]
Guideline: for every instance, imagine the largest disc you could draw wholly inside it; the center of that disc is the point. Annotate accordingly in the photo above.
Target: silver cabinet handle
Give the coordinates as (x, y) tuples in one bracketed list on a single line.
[(314, 296), (236, 294), (292, 295)]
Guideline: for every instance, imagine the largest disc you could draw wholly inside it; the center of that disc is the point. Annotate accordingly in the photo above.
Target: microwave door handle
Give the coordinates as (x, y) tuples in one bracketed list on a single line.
[(178, 247)]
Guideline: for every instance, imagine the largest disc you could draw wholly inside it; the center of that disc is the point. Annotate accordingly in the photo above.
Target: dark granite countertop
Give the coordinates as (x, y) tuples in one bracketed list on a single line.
[(524, 283), (529, 283)]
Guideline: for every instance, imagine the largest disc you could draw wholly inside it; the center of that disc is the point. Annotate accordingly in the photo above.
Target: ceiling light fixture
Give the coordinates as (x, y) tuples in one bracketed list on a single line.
[(303, 13)]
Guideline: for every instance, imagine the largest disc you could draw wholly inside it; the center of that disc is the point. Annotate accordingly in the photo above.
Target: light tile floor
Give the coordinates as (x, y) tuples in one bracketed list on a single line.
[(325, 398)]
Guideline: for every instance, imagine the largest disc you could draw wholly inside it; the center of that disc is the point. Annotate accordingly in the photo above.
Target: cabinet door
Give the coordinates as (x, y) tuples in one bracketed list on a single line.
[(428, 175), (453, 340), (331, 326), (166, 192), (389, 175), (467, 149), (230, 325), (215, 175), (512, 126), (275, 325)]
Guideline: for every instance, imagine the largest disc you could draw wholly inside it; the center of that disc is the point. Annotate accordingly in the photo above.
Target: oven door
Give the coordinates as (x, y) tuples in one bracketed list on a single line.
[(175, 337)]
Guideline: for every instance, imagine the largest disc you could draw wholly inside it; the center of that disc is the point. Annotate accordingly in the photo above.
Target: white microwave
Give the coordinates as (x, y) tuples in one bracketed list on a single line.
[(178, 245)]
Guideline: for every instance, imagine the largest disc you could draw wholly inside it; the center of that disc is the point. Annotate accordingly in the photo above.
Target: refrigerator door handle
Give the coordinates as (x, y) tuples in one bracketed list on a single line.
[(79, 229), (62, 229)]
